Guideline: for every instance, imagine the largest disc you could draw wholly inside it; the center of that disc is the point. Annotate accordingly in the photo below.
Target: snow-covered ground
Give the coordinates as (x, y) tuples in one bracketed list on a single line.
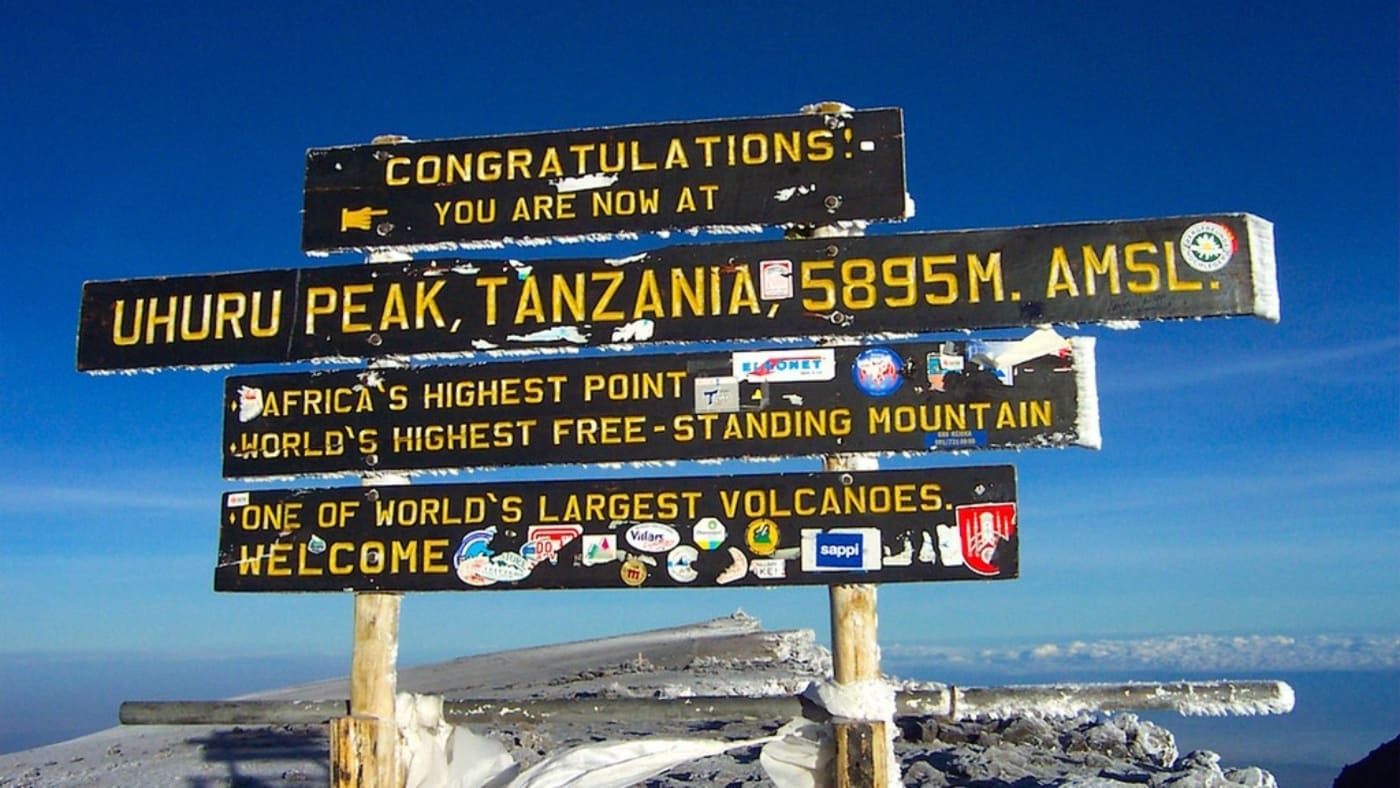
[(729, 656)]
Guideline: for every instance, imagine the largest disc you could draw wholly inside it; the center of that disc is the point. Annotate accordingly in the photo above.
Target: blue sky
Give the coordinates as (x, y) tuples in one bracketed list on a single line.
[(1249, 479)]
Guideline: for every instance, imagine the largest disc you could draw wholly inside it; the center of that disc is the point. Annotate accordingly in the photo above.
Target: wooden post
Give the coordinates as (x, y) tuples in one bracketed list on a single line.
[(370, 736), (362, 752), (373, 684), (365, 745), (854, 654), (861, 757), (861, 754)]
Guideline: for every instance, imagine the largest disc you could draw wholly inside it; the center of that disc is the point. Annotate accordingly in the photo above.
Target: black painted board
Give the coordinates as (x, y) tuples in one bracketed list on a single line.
[(907, 283), (180, 321), (812, 169), (886, 526), (908, 397)]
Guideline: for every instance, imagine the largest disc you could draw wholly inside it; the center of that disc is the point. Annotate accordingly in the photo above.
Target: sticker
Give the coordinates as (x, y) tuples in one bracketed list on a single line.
[(237, 499), (507, 568), (634, 572), (637, 331), (981, 528), (949, 545), (942, 363), (475, 544), (316, 545), (710, 533), (774, 279), (538, 552), (717, 395), (470, 571), (785, 366), (841, 550), (768, 568), (473, 556), (250, 403), (1208, 246), (904, 557), (738, 567), (653, 537), (878, 371), (927, 554), (599, 549), (762, 537), (1000, 357), (955, 439), (543, 542), (678, 564)]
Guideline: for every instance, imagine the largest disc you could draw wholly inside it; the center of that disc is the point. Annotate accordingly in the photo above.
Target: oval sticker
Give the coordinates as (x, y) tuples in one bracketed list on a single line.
[(653, 537)]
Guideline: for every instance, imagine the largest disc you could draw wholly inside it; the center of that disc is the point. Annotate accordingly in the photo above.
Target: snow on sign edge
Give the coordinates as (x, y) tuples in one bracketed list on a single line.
[(1263, 267)]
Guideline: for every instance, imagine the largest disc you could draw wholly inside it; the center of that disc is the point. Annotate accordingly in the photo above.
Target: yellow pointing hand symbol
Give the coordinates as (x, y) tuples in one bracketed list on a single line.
[(359, 218)]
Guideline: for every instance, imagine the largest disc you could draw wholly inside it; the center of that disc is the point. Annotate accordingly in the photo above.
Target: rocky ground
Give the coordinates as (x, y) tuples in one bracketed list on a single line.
[(730, 656)]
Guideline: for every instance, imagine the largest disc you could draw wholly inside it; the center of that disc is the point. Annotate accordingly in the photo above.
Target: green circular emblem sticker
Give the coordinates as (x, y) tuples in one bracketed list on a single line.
[(1208, 246)]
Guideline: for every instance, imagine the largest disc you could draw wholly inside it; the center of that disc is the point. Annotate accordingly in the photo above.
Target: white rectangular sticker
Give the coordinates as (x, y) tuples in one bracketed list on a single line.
[(768, 568), (716, 395), (774, 279), (785, 366)]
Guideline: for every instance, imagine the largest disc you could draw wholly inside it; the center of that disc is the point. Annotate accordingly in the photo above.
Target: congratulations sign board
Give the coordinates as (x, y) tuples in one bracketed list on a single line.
[(1134, 270), (703, 532), (888, 397), (793, 169)]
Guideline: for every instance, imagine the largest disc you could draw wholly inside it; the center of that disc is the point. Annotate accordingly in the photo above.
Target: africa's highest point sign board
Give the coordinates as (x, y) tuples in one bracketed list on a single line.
[(808, 169)]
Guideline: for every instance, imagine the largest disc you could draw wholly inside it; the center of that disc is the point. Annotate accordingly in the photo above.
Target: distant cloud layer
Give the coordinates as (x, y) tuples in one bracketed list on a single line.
[(1178, 652)]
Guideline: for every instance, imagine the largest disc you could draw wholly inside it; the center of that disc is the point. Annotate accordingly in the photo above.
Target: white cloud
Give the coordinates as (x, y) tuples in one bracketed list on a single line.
[(1176, 652)]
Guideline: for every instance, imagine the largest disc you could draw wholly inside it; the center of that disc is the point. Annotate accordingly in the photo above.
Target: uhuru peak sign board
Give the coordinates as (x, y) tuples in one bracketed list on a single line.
[(809, 169), (714, 531), (886, 397), (1196, 266)]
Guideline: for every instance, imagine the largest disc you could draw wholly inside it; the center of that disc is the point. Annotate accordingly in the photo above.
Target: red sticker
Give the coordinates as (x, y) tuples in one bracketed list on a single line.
[(982, 527)]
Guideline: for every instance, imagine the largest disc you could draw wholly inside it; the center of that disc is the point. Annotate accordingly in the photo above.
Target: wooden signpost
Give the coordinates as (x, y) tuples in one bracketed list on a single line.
[(1186, 267), (848, 393), (882, 397)]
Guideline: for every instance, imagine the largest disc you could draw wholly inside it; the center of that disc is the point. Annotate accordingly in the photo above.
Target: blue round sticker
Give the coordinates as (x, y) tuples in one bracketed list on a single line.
[(878, 371)]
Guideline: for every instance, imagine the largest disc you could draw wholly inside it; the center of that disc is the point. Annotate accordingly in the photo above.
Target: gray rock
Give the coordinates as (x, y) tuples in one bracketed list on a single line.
[(1032, 731), (1252, 776)]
